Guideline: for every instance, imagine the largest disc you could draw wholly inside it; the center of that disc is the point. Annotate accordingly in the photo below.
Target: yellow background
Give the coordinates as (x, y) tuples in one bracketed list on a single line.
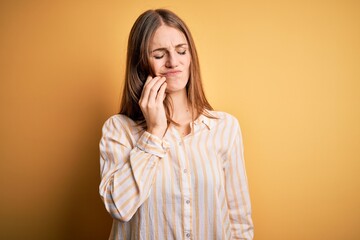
[(288, 70)]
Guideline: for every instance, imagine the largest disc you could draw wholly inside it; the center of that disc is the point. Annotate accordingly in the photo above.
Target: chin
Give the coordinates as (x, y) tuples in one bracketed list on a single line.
[(176, 86), (172, 89)]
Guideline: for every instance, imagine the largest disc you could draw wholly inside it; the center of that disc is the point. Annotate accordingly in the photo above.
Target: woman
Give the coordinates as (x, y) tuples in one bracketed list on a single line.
[(171, 167)]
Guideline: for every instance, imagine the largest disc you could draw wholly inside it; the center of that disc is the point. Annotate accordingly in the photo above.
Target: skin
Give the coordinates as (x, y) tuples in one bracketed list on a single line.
[(170, 61)]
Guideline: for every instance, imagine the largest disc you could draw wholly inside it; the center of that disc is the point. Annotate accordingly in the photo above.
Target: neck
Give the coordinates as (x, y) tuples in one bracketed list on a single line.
[(181, 109)]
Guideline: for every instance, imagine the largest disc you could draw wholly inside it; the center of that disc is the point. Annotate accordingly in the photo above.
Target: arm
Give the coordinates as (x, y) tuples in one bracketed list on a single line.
[(238, 199), (127, 172)]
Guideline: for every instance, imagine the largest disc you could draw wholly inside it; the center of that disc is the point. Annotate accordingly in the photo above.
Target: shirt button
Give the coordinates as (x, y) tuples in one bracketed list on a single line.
[(180, 143), (187, 201), (188, 235), (185, 170)]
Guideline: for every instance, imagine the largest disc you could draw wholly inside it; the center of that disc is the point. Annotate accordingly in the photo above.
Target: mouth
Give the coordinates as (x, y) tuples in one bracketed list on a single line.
[(171, 73)]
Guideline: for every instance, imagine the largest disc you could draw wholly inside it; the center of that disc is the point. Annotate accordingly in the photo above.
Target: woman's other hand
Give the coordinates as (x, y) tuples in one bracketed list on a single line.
[(152, 107)]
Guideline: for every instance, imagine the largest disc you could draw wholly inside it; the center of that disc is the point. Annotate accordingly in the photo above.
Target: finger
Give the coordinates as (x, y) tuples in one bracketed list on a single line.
[(148, 79), (156, 86), (147, 87), (151, 89), (154, 90), (161, 94)]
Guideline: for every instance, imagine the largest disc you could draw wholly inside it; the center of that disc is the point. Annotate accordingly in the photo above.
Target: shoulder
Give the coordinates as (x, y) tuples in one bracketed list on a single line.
[(225, 126), (220, 117), (119, 122)]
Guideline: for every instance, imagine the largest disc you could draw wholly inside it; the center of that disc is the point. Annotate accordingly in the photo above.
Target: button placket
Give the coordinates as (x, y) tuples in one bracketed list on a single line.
[(181, 146)]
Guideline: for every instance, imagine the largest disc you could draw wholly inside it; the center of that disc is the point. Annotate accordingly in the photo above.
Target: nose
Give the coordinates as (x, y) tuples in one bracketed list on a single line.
[(172, 60)]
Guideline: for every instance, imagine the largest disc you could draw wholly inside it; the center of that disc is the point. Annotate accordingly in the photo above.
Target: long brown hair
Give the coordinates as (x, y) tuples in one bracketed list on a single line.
[(138, 67)]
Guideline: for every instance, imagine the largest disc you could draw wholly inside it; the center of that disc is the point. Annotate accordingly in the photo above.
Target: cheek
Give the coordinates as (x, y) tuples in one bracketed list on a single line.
[(155, 67)]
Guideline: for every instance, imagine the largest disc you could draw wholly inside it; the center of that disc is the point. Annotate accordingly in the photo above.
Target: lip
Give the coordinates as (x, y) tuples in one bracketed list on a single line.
[(171, 73)]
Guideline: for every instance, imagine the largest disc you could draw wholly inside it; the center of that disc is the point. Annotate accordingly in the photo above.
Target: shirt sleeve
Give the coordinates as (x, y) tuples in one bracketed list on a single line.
[(236, 185), (127, 169)]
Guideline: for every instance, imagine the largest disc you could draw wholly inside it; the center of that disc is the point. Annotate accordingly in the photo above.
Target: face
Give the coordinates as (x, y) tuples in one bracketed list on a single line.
[(170, 57)]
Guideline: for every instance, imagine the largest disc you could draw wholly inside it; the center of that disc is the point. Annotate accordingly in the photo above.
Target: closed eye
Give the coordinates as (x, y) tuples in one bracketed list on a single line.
[(182, 52), (159, 56)]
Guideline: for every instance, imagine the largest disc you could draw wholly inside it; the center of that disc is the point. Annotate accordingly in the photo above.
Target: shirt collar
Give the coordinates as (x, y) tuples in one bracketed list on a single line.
[(207, 121)]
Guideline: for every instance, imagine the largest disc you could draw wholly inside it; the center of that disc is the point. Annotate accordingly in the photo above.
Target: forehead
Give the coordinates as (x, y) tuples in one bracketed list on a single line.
[(167, 37)]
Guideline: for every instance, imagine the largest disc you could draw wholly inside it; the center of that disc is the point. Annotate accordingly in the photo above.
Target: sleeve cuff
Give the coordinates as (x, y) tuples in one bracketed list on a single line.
[(153, 144)]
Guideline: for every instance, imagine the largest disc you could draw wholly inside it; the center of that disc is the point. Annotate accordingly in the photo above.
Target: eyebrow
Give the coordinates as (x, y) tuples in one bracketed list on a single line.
[(165, 49)]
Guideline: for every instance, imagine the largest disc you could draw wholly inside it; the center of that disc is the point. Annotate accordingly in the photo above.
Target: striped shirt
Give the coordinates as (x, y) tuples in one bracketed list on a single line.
[(192, 187)]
